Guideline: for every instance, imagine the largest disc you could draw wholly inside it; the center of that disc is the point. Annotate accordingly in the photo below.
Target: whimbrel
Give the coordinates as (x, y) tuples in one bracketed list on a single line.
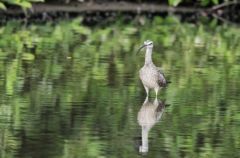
[(150, 75)]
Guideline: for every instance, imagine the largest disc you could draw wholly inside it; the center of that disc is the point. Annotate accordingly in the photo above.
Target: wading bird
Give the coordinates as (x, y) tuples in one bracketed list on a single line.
[(150, 75)]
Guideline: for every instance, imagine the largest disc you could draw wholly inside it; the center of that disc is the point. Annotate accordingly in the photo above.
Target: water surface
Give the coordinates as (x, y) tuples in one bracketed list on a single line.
[(70, 91)]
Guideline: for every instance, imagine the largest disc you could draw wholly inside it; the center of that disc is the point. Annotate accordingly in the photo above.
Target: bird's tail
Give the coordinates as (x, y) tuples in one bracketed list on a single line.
[(168, 82)]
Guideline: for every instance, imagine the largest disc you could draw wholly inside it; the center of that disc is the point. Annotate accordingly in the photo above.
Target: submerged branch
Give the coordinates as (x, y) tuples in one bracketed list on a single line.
[(110, 6), (224, 20), (225, 4), (46, 9)]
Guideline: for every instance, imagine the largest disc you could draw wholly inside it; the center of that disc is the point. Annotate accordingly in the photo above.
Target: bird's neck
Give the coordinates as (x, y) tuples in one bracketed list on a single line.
[(148, 56)]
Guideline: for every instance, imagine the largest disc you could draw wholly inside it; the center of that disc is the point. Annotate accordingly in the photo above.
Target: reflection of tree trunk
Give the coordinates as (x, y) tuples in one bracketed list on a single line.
[(112, 71), (2, 143)]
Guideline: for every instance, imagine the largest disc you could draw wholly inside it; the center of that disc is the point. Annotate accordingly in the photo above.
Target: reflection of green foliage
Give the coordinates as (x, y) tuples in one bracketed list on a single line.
[(69, 90)]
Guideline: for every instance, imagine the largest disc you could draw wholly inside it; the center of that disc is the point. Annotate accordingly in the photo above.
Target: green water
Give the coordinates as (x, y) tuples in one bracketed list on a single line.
[(71, 91)]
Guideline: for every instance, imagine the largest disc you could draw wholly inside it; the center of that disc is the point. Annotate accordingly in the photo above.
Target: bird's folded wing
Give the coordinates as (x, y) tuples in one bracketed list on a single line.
[(161, 77)]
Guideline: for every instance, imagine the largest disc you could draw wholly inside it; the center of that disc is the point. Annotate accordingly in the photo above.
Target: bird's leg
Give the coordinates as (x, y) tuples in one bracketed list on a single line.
[(156, 91), (156, 103), (147, 90)]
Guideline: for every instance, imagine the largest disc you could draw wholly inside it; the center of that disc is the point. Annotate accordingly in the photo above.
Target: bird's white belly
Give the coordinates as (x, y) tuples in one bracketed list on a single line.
[(149, 78)]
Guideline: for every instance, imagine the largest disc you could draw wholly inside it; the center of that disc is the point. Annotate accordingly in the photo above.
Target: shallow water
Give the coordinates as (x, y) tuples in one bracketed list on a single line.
[(72, 91)]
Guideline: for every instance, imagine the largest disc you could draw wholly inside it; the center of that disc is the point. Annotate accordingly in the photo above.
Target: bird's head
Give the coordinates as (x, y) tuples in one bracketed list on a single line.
[(147, 44)]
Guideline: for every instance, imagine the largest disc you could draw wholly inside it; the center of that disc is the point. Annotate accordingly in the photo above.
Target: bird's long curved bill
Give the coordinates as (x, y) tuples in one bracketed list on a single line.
[(140, 48)]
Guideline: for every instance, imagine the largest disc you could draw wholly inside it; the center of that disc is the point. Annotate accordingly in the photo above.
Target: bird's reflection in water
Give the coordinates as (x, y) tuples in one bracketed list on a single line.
[(149, 114)]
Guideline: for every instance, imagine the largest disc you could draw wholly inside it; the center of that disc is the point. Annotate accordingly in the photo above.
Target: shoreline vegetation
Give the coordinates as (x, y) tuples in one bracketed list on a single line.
[(226, 11)]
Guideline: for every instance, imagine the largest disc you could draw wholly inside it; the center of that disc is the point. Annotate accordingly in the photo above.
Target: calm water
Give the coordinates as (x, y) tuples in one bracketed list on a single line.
[(69, 91)]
